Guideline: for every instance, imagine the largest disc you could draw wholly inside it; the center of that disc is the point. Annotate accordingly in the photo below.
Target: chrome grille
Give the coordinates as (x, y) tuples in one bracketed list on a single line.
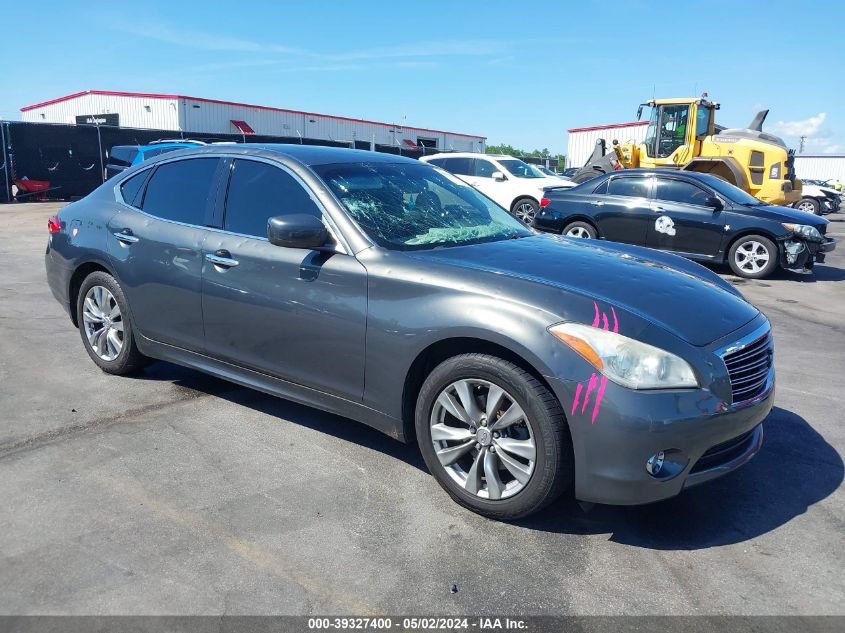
[(749, 368)]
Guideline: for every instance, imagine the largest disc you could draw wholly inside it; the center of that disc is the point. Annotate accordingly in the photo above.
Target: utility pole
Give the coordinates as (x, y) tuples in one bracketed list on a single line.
[(801, 147)]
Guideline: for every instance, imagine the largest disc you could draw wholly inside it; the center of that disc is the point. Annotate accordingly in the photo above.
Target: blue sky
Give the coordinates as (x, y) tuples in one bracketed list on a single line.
[(517, 72)]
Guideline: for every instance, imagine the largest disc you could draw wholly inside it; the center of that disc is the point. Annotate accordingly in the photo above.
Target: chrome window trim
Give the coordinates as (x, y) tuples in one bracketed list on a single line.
[(341, 246)]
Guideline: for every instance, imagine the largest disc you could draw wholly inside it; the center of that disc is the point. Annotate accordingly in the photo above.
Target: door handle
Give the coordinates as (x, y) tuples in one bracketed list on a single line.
[(125, 236), (597, 203), (222, 258)]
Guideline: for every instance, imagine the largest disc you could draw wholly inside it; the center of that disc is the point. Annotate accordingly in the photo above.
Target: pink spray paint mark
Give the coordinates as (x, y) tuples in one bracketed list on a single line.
[(599, 396), (596, 318), (577, 396), (590, 386), (604, 320), (615, 320)]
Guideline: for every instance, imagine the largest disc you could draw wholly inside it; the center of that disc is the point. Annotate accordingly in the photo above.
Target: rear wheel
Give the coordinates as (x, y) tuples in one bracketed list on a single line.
[(106, 327), (582, 230), (753, 257), (493, 436), (525, 209), (810, 205)]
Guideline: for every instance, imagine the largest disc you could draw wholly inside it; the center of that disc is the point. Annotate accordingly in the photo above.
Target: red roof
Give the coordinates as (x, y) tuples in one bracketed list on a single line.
[(113, 93), (606, 127)]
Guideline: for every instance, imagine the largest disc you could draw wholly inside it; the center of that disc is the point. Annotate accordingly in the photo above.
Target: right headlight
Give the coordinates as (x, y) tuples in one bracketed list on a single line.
[(804, 230), (625, 361)]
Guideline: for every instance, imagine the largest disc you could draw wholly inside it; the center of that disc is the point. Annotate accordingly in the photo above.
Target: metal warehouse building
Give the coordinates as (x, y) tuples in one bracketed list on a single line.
[(820, 166), (212, 116), (582, 140)]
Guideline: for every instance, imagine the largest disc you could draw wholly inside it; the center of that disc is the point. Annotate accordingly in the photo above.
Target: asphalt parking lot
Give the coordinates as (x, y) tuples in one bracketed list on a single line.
[(176, 493)]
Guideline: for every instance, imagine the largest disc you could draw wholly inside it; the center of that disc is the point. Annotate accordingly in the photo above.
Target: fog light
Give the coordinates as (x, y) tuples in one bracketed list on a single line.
[(666, 464)]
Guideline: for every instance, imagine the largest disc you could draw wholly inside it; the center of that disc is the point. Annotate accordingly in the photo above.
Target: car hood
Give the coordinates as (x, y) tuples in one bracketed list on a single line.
[(788, 214), (675, 294)]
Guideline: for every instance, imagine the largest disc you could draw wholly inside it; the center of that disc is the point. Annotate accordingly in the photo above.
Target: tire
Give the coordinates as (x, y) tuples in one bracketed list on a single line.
[(541, 431), (583, 230), (810, 205), (101, 307), (742, 261), (525, 209)]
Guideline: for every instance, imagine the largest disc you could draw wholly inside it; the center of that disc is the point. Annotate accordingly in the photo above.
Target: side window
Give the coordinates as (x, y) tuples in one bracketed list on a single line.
[(679, 191), (601, 189), (257, 192), (438, 162), (179, 191), (130, 188), (484, 168), (460, 166), (632, 187)]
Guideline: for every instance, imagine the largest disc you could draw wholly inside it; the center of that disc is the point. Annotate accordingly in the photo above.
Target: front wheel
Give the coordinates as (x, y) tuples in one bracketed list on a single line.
[(810, 205), (753, 257), (525, 209), (493, 436)]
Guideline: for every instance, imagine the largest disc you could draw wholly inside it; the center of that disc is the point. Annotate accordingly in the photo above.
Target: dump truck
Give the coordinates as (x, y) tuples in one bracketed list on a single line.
[(682, 134)]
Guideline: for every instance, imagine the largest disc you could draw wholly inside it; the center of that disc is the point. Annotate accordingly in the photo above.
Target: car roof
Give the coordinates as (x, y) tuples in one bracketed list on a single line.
[(657, 172), (305, 154), (467, 155)]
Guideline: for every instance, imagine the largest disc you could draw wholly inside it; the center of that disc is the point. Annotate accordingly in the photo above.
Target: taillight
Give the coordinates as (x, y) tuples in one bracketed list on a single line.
[(54, 225), (544, 202)]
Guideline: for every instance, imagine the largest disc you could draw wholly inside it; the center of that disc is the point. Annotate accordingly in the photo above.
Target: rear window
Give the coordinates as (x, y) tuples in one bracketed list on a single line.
[(601, 189), (122, 155), (179, 191), (632, 187)]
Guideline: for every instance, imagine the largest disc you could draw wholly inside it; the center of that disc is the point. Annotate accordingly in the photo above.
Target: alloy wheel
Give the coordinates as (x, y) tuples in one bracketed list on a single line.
[(752, 257), (806, 206), (483, 439), (525, 212), (578, 231), (103, 323)]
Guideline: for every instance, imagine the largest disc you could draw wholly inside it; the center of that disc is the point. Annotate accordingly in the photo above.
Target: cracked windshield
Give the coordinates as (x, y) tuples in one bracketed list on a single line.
[(409, 207)]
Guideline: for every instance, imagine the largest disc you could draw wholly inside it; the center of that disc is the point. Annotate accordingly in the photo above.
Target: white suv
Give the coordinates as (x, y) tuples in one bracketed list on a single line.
[(506, 180)]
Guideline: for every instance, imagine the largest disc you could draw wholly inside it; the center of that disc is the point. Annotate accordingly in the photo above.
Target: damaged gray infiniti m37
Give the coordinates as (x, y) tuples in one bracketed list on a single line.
[(388, 291)]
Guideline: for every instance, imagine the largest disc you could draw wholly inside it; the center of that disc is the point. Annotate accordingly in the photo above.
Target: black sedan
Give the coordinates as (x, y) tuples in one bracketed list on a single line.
[(699, 216)]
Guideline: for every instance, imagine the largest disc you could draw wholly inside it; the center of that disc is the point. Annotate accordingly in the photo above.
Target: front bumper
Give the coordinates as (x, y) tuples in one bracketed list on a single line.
[(797, 253), (646, 446)]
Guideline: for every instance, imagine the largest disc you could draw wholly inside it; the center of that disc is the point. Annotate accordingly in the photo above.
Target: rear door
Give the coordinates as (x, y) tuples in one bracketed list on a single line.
[(621, 208), (681, 222), (155, 244), (296, 314)]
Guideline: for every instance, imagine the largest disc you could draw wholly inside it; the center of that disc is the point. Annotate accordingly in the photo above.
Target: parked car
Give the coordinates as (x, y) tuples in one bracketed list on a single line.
[(121, 157), (818, 199), (508, 181), (570, 171), (385, 290), (548, 172), (699, 216)]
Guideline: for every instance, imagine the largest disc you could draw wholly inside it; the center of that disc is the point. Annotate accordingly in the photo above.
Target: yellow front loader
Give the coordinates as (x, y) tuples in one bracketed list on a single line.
[(682, 134)]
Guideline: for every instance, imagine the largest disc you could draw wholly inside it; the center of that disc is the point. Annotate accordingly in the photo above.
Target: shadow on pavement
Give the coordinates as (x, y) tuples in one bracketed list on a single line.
[(795, 469)]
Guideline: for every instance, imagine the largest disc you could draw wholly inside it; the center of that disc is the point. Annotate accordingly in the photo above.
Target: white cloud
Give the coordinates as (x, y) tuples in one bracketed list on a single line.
[(804, 127)]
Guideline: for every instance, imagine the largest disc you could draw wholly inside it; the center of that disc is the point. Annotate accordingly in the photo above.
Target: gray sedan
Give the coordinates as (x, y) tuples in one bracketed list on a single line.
[(390, 292)]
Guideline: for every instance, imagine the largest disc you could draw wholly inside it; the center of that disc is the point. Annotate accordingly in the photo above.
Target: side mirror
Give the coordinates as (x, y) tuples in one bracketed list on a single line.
[(298, 230), (640, 112), (498, 176), (714, 203)]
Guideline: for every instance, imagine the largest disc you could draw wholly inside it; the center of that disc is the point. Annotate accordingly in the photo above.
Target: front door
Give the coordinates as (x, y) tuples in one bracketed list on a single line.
[(681, 222), (157, 251), (296, 314)]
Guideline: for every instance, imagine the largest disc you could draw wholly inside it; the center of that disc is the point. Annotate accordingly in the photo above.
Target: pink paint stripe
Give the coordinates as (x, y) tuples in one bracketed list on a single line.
[(615, 320), (577, 396), (590, 386), (596, 318), (605, 324), (599, 396)]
